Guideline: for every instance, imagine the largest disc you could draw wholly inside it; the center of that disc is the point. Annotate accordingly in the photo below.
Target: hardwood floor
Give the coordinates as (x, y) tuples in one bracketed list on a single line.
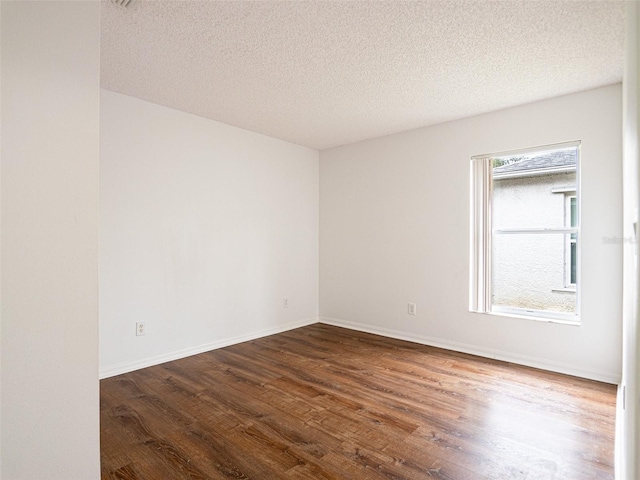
[(322, 402)]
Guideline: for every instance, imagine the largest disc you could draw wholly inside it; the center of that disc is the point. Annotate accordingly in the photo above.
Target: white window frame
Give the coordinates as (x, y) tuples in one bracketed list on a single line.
[(567, 259), (481, 234)]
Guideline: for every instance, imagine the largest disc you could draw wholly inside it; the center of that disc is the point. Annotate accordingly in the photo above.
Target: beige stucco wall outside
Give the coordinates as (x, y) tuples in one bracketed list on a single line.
[(530, 270)]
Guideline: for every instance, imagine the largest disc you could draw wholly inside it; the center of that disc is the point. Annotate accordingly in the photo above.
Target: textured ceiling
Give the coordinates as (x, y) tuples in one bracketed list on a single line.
[(326, 73)]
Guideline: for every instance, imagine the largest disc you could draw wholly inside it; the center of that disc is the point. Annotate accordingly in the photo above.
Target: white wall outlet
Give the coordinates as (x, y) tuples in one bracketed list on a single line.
[(285, 302), (141, 329), (412, 309)]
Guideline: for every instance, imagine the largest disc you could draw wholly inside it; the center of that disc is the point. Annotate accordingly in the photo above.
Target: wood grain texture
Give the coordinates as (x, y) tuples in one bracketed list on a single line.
[(322, 402)]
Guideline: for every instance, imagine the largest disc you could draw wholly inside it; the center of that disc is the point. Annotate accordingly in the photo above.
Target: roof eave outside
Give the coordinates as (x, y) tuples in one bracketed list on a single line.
[(534, 172)]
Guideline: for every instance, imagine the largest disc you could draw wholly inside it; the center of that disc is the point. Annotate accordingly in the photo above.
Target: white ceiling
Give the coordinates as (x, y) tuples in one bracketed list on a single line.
[(327, 73)]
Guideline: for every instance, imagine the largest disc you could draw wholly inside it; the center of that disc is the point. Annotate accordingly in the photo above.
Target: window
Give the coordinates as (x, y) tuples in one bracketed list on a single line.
[(571, 252), (525, 233)]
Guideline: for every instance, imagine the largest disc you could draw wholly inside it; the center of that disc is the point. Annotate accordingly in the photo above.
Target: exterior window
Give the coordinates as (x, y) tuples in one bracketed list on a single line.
[(525, 233), (571, 253)]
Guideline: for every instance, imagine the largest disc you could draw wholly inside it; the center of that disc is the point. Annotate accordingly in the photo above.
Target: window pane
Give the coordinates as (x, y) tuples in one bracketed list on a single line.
[(574, 212), (573, 262), (529, 191), (529, 272)]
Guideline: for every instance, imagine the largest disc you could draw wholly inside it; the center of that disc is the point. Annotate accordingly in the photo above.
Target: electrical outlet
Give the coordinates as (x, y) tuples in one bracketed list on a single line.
[(412, 309), (285, 302), (141, 329)]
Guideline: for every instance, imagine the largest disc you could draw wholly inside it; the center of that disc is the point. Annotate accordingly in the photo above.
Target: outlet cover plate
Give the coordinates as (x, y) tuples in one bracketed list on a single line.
[(141, 329)]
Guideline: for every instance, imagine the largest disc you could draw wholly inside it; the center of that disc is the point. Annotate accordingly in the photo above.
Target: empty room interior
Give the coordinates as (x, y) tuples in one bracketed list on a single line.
[(319, 239)]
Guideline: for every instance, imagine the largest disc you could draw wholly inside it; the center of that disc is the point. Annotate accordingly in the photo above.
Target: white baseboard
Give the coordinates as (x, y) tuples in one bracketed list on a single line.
[(526, 360), (120, 368), (544, 364)]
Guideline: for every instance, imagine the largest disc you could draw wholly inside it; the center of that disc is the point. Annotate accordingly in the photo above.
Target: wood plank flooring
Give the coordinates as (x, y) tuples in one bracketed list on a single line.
[(322, 402)]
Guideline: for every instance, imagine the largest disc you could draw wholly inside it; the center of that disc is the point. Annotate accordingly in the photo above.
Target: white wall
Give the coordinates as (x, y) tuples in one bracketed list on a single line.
[(628, 410), (394, 228), (49, 239), (204, 229), (0, 241)]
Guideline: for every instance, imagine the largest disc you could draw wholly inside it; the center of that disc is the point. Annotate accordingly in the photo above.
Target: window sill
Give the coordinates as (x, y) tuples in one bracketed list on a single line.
[(564, 290), (560, 318)]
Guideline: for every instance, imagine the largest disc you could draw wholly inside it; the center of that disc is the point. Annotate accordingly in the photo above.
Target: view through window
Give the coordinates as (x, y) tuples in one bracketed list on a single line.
[(525, 233)]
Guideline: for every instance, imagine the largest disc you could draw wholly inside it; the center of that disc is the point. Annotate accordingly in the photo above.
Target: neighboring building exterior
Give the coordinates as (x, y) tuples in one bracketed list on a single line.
[(536, 271)]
